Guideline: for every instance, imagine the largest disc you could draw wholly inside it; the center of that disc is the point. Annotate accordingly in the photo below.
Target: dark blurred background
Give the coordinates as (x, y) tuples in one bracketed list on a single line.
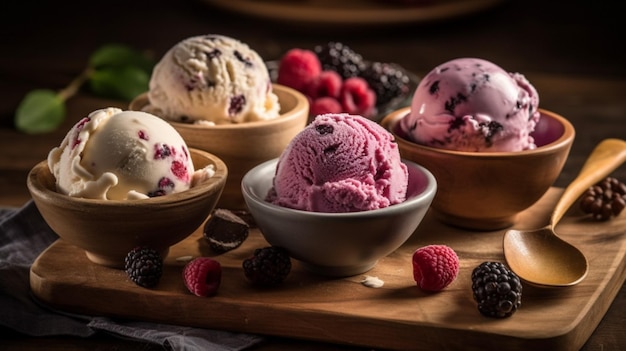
[(552, 43), (582, 39), (573, 52)]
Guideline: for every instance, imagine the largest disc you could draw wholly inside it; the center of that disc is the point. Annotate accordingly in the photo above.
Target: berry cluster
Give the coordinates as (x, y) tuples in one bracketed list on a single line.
[(144, 266), (268, 266), (337, 79), (496, 289), (338, 57), (605, 199)]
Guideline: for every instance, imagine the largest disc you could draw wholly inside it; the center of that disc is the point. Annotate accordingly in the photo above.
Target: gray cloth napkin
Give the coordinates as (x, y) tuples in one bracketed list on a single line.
[(23, 236)]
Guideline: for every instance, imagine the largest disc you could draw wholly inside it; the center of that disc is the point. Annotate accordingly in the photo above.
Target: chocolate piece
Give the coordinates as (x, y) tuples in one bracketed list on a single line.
[(246, 216), (225, 230)]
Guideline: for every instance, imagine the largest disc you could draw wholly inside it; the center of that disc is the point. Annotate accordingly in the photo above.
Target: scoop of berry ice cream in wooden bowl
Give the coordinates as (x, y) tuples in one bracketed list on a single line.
[(479, 129), (217, 93), (124, 179)]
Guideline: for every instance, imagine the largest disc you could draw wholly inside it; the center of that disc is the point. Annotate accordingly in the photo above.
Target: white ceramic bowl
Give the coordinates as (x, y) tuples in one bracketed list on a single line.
[(338, 244)]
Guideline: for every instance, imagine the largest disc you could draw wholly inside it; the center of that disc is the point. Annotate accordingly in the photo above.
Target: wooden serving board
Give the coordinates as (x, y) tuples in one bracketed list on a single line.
[(396, 316)]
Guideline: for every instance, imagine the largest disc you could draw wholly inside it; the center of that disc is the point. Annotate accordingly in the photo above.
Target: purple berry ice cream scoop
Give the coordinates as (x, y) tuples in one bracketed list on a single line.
[(470, 104), (340, 163)]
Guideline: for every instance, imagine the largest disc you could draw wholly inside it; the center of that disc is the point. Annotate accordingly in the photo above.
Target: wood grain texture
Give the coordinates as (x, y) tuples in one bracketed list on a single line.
[(572, 59), (343, 311)]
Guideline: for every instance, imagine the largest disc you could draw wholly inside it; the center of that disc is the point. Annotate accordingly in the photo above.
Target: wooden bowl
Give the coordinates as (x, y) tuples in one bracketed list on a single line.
[(486, 190), (108, 229), (245, 145)]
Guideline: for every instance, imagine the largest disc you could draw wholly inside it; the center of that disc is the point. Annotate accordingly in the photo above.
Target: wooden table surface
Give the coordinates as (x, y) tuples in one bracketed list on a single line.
[(573, 56)]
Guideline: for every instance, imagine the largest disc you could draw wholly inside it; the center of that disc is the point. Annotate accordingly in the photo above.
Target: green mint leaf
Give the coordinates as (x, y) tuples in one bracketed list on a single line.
[(40, 111), (118, 55), (124, 82)]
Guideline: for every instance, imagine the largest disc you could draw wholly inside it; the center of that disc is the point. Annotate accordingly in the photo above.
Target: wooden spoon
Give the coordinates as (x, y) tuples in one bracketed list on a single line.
[(539, 256)]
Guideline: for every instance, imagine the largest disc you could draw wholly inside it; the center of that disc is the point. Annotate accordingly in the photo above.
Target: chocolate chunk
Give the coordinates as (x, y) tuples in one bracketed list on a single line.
[(246, 216), (225, 230)]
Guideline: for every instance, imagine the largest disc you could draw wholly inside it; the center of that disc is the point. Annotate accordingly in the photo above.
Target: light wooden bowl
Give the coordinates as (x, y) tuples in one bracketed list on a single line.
[(486, 190), (108, 229), (243, 146)]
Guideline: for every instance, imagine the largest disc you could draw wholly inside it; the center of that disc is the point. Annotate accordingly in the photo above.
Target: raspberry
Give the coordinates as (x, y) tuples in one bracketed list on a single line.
[(357, 98), (268, 266), (297, 68), (605, 199), (327, 83), (144, 266), (338, 57), (496, 289), (387, 81), (324, 105), (435, 267), (202, 276)]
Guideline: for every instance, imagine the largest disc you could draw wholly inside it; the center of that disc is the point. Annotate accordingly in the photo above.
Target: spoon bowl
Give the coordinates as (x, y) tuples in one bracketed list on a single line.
[(539, 256), (542, 258)]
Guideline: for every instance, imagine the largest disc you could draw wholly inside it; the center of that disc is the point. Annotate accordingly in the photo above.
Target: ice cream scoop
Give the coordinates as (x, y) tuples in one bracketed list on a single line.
[(212, 79), (340, 163), (470, 104), (118, 155)]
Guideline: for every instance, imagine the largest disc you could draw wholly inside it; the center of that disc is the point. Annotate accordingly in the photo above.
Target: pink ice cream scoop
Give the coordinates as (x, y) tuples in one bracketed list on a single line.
[(340, 163), (470, 104)]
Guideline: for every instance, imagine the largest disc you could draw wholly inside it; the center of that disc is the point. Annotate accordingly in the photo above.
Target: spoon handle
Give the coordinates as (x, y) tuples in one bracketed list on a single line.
[(606, 157)]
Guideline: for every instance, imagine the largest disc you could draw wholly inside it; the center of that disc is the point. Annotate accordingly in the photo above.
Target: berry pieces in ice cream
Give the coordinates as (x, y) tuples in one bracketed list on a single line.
[(212, 79), (340, 163), (470, 104), (121, 155)]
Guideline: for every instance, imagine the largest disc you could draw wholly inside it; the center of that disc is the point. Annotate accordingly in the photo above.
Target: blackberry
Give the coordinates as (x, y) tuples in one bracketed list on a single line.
[(268, 266), (386, 80), (605, 199), (496, 289), (338, 57), (144, 266)]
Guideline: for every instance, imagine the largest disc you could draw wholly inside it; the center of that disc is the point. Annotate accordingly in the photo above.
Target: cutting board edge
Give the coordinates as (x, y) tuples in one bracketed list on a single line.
[(574, 333)]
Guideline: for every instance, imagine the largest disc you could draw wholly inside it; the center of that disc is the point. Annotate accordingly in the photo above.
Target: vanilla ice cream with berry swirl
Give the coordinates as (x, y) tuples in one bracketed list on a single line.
[(123, 155), (212, 79)]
